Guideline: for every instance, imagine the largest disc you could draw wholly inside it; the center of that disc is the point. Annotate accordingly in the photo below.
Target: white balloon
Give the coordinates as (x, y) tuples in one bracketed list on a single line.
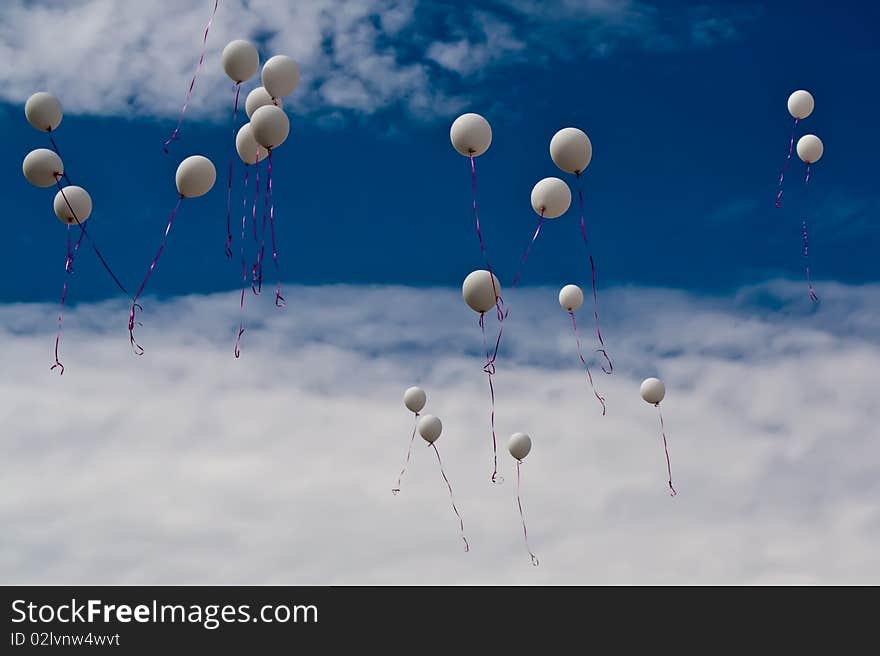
[(42, 167), (195, 176), (478, 292), (270, 126), (414, 398), (248, 149), (280, 76), (800, 104), (652, 390), (43, 111), (571, 150), (571, 297), (430, 428), (810, 148), (78, 200), (519, 445), (471, 135), (240, 60), (551, 198), (258, 98)]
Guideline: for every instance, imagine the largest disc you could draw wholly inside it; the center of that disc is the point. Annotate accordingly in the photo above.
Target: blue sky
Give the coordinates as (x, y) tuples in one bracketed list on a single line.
[(689, 134)]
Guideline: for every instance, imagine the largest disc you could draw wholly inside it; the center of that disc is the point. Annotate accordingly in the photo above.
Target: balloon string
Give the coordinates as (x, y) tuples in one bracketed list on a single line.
[(586, 366), (192, 84), (256, 290), (601, 348), (499, 302), (244, 202), (396, 490), (529, 249), (229, 179), (785, 164), (279, 299), (489, 368), (522, 517), (68, 270), (258, 267), (672, 491), (58, 152), (135, 306), (813, 296), (452, 499)]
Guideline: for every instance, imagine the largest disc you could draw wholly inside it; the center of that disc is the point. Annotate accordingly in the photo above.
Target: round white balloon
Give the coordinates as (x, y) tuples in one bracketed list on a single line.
[(258, 98), (810, 148), (519, 445), (571, 297), (414, 398), (270, 126), (652, 390), (571, 150), (280, 76), (248, 149), (43, 111), (240, 60), (471, 135), (430, 428), (76, 208), (42, 167), (480, 290), (800, 104), (551, 198), (195, 176)]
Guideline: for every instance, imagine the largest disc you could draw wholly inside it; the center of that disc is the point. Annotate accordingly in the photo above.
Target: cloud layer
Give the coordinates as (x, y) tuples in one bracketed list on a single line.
[(136, 59), (187, 466)]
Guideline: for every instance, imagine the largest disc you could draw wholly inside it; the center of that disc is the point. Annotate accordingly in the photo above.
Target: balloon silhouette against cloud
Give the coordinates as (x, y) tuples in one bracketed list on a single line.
[(810, 150), (414, 398), (571, 297), (572, 151), (519, 446), (653, 391)]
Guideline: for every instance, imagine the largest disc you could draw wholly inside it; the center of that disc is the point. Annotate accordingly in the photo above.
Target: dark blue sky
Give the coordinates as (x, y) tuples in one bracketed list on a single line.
[(687, 142)]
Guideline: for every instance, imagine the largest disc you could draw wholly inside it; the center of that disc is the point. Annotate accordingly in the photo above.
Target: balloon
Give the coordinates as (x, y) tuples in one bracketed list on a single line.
[(430, 428), (257, 98), (810, 148), (248, 149), (571, 297), (240, 60), (42, 167), (414, 399), (280, 76), (195, 176), (79, 201), (652, 390), (800, 104), (519, 445), (471, 135), (43, 111), (478, 292), (551, 198), (571, 150), (270, 126)]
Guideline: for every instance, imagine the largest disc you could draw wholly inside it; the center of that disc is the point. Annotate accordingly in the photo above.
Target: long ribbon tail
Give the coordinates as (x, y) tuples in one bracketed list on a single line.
[(192, 83), (257, 285), (584, 362), (813, 296), (92, 243), (229, 179), (489, 369), (68, 270), (528, 250), (672, 491), (523, 518), (785, 164), (396, 489), (244, 276), (452, 499), (601, 348), (279, 299), (256, 290), (135, 306)]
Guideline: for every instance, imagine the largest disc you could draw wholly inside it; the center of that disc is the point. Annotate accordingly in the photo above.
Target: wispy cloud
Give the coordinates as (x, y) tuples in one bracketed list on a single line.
[(188, 466)]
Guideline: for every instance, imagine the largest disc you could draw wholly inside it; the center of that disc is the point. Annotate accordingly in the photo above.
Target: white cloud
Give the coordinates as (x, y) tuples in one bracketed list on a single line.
[(137, 58), (187, 466)]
